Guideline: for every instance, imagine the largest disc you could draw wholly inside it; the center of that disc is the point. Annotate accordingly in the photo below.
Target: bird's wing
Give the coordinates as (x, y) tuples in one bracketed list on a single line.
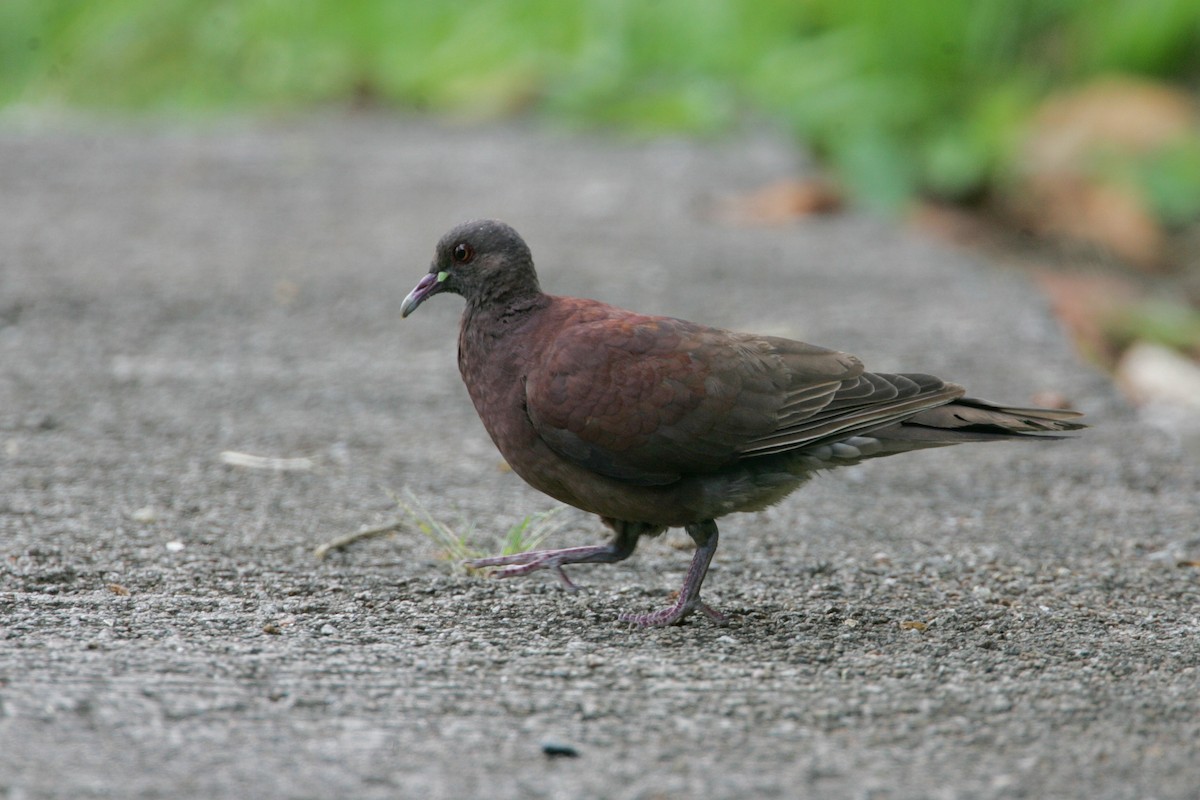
[(861, 404), (649, 399)]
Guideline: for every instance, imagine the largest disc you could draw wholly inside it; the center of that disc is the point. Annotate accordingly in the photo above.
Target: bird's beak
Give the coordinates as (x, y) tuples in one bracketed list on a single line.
[(427, 287)]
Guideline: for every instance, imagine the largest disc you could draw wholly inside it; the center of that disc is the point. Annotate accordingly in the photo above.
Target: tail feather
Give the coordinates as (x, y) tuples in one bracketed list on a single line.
[(971, 420)]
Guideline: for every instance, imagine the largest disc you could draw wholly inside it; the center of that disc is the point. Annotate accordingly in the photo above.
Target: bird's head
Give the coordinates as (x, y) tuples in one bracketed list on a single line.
[(485, 261)]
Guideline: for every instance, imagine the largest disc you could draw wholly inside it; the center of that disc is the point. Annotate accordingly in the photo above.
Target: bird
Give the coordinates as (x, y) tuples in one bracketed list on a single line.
[(652, 422)]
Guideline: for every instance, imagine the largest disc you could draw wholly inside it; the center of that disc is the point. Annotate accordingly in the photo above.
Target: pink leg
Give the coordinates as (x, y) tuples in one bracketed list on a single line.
[(705, 535), (621, 547)]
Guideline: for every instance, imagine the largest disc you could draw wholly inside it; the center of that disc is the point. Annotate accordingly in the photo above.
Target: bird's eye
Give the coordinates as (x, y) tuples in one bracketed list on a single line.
[(463, 252)]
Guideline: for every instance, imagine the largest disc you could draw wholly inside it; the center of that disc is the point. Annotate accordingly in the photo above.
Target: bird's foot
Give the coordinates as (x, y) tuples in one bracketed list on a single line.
[(675, 615), (533, 560), (705, 535)]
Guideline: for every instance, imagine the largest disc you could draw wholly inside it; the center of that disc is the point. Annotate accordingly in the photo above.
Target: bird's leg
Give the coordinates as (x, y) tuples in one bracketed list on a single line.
[(624, 541), (705, 536)]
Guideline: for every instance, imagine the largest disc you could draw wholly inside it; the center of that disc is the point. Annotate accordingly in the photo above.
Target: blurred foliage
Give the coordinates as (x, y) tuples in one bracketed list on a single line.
[(1169, 323), (901, 97), (1171, 180)]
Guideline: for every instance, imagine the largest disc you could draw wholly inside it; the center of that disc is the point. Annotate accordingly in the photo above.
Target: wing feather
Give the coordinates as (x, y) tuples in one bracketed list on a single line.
[(650, 399)]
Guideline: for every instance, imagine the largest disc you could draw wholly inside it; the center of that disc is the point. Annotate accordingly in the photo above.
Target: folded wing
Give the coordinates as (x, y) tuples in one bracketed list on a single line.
[(648, 400)]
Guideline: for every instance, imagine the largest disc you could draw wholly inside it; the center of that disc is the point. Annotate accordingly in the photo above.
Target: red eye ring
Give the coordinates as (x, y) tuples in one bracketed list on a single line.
[(463, 252)]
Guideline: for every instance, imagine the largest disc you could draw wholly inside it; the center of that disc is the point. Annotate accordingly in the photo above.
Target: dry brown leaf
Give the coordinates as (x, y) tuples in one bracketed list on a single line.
[(1060, 192), (1114, 217), (783, 202), (1048, 398), (1083, 302), (951, 223), (1129, 114)]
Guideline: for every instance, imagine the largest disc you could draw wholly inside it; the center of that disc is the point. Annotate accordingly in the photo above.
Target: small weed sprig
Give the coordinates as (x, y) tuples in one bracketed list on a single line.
[(455, 545)]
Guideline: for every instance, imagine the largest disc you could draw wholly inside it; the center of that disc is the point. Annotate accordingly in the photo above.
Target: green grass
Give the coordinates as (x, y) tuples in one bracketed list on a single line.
[(1167, 322), (459, 543), (901, 97)]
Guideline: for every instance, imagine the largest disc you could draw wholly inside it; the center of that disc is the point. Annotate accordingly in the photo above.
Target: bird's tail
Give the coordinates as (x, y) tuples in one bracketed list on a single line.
[(971, 420)]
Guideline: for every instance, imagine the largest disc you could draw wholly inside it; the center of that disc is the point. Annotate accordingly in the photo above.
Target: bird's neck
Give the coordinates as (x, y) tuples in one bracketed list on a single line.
[(488, 333), (495, 347), (498, 315)]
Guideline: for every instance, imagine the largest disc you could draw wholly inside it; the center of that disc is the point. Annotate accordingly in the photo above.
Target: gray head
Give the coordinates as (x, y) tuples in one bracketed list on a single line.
[(484, 260)]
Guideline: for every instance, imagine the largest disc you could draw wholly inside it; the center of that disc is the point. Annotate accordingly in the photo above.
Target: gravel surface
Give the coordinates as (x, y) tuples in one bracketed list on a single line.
[(988, 621)]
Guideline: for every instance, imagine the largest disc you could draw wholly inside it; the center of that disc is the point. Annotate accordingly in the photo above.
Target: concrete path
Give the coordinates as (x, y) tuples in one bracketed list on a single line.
[(982, 622)]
